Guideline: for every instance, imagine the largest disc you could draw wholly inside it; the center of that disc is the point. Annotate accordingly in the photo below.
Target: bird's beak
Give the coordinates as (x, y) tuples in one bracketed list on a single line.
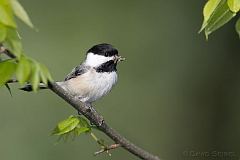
[(119, 58)]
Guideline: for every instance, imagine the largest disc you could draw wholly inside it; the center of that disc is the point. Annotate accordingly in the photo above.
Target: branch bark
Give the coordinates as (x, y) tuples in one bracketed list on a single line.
[(94, 117)]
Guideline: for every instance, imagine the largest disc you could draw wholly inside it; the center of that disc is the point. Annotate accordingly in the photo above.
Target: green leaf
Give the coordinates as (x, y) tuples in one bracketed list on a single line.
[(237, 26), (13, 41), (7, 69), (74, 124), (21, 13), (79, 130), (208, 10), (23, 70), (66, 126), (6, 15), (234, 5), (220, 16), (4, 2), (3, 32), (83, 126), (83, 122), (45, 75), (35, 77)]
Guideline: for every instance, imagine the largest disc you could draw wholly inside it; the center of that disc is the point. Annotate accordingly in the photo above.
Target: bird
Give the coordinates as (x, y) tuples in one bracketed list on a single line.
[(94, 77)]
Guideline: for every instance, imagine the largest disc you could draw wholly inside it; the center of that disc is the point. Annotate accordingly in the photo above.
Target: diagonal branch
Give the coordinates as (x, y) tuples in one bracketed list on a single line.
[(94, 117)]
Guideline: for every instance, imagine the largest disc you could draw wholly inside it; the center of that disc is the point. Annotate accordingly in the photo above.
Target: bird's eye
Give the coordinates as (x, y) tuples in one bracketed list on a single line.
[(106, 54)]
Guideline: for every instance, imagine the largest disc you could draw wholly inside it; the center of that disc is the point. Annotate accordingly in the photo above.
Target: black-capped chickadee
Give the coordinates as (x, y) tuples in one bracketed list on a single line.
[(96, 76)]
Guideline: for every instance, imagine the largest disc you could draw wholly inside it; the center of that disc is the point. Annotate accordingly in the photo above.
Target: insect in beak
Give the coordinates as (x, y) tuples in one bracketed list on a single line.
[(118, 59)]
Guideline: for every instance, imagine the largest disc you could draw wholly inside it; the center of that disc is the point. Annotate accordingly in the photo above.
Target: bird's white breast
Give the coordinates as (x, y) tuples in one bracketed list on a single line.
[(92, 85), (101, 84)]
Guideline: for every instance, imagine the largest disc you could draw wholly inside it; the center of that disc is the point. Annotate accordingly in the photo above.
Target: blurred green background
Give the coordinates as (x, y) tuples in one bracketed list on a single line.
[(177, 93)]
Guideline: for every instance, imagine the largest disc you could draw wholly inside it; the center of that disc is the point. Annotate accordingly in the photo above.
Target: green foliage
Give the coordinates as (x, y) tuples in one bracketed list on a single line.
[(7, 69), (6, 14), (13, 42), (238, 27), (29, 70), (45, 74), (3, 32), (26, 69), (216, 13), (23, 70), (74, 125), (234, 5), (35, 78), (21, 13)]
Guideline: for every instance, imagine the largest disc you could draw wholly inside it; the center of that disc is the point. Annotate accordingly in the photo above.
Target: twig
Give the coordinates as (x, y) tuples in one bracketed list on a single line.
[(95, 118), (6, 51), (107, 149)]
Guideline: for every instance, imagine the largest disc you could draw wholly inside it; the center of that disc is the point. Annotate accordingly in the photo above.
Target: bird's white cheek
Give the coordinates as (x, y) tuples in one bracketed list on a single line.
[(95, 60)]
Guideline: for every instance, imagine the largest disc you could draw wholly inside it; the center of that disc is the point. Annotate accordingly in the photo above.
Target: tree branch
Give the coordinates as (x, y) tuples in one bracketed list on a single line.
[(93, 116)]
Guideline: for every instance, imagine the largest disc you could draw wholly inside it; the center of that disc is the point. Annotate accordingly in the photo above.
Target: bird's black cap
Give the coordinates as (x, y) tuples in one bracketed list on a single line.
[(104, 49)]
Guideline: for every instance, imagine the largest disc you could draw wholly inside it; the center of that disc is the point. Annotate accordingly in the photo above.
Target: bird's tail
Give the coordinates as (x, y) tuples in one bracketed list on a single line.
[(28, 87)]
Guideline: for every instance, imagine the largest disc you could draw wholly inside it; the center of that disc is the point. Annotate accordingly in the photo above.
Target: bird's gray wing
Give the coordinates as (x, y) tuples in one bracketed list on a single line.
[(77, 71)]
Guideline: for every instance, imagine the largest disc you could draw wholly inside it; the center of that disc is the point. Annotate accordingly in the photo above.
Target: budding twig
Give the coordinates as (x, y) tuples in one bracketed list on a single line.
[(107, 149)]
